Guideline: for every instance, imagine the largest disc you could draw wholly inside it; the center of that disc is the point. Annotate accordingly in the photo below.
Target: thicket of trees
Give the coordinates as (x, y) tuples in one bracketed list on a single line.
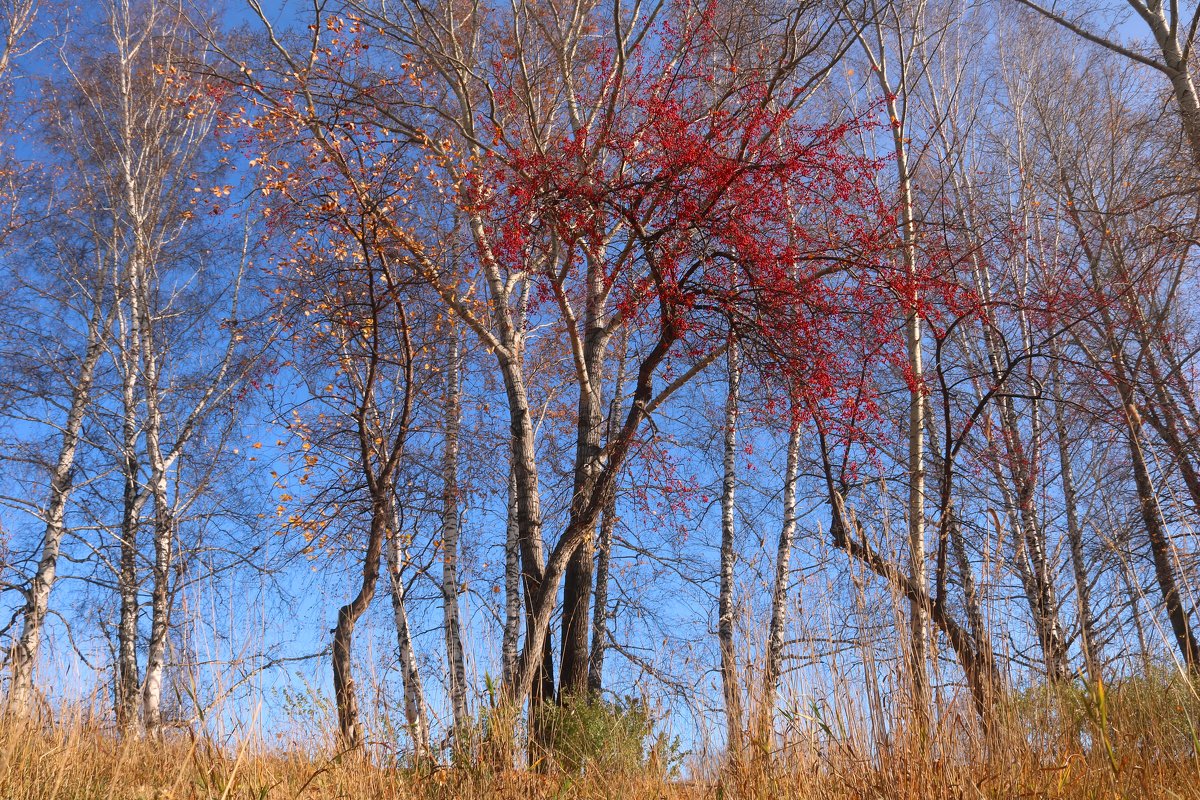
[(718, 353)]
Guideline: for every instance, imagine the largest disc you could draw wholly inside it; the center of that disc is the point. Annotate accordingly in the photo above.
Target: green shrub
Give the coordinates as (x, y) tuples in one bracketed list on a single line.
[(611, 737)]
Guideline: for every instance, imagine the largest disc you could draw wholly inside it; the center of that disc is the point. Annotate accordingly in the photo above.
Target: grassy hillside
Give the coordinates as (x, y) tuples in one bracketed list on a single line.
[(1135, 739)]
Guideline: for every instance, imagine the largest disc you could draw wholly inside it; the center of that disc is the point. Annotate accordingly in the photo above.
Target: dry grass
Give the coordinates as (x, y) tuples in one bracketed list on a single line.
[(1136, 740)]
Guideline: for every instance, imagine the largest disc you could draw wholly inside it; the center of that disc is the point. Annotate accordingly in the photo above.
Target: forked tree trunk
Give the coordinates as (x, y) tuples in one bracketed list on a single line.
[(950, 539), (533, 560), (540, 607)]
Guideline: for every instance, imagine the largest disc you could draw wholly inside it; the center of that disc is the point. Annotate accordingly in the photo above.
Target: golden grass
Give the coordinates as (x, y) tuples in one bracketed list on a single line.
[(1136, 740)]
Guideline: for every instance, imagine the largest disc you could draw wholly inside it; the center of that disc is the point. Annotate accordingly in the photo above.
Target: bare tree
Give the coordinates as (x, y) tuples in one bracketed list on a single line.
[(1174, 34)]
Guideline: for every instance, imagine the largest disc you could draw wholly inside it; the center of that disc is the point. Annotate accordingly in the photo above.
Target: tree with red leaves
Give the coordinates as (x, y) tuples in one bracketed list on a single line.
[(597, 175)]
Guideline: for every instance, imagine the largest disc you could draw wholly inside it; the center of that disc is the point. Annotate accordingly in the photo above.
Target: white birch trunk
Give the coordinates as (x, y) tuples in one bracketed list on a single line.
[(778, 625), (163, 535), (450, 533), (730, 679), (37, 596), (512, 586), (415, 712)]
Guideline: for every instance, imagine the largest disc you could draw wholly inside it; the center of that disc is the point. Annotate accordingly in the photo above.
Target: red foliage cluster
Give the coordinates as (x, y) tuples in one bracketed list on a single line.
[(692, 185), (707, 200)]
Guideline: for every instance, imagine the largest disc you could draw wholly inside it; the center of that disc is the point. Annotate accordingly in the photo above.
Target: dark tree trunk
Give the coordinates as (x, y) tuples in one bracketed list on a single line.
[(1160, 547), (579, 577), (345, 696)]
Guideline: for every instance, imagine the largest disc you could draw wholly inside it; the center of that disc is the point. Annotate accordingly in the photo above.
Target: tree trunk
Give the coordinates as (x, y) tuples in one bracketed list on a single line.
[(975, 623), (513, 548), (590, 503), (1180, 74), (164, 511), (160, 608), (979, 667), (533, 565), (128, 679), (37, 596), (787, 532), (950, 538), (730, 679), (579, 577), (512, 585), (1083, 592), (450, 530), (918, 618), (415, 713), (164, 542), (345, 696), (608, 521), (1162, 409), (600, 611), (918, 658), (577, 596), (1160, 547), (1019, 493)]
